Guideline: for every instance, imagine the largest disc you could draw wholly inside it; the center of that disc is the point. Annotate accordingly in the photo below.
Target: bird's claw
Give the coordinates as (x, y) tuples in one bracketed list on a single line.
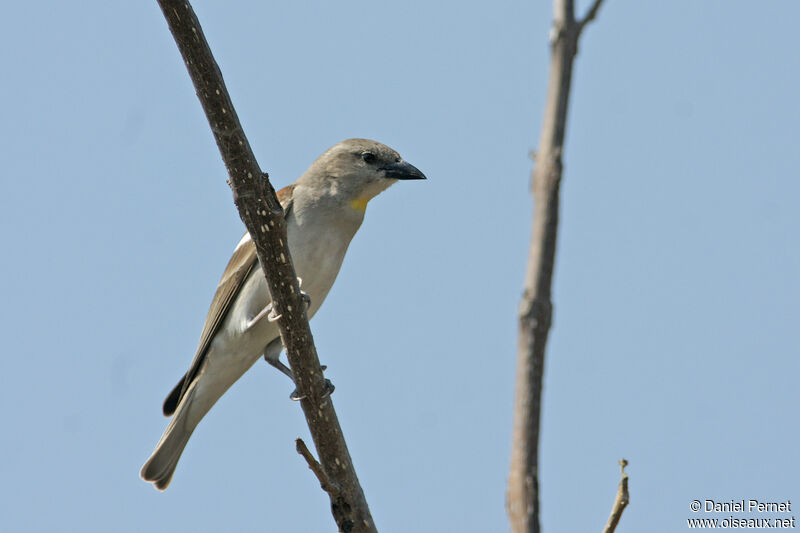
[(329, 388), (273, 316), (303, 294)]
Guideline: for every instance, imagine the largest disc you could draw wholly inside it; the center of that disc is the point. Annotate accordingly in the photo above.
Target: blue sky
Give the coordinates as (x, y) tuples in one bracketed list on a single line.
[(674, 341)]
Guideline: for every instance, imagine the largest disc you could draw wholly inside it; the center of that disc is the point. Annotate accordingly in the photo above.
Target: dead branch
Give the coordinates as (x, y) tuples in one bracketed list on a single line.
[(536, 307)]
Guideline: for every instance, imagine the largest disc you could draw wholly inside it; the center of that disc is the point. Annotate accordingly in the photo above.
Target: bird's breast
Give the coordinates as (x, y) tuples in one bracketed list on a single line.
[(317, 257)]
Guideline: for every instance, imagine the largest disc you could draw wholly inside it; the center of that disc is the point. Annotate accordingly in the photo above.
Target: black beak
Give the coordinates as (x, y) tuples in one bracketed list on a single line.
[(400, 170)]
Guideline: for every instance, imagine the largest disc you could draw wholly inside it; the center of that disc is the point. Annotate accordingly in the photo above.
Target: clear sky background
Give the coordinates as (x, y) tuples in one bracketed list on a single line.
[(675, 341)]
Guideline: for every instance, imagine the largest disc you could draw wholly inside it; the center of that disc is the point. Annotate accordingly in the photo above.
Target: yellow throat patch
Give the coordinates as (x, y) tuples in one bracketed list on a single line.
[(360, 204)]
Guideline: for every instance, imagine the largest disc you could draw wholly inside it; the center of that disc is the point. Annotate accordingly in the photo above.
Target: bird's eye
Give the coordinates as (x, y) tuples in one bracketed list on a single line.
[(368, 157)]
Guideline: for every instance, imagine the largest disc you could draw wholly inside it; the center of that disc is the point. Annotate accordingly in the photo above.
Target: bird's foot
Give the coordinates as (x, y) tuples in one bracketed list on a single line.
[(329, 388), (273, 316)]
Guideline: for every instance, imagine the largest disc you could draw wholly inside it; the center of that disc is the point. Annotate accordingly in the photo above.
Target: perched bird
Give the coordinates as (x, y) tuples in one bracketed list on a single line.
[(323, 211)]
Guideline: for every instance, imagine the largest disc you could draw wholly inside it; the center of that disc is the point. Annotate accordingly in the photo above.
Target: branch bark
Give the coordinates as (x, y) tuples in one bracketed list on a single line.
[(620, 501), (261, 213), (536, 308)]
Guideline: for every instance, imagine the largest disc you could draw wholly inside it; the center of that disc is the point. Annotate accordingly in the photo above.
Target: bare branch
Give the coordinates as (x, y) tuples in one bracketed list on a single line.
[(590, 15), (262, 214), (620, 502), (536, 307)]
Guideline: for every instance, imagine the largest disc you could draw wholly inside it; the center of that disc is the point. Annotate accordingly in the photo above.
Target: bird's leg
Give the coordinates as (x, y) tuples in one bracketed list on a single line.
[(272, 355), (268, 312)]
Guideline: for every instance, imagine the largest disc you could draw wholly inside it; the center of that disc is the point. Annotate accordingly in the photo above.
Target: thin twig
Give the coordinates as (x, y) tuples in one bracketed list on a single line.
[(590, 15), (620, 502), (324, 482)]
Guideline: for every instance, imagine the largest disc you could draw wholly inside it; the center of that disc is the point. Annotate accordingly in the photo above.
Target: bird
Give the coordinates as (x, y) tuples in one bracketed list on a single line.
[(323, 210)]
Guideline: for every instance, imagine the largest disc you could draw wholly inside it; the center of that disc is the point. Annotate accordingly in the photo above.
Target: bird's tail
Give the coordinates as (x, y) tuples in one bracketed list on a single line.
[(161, 465)]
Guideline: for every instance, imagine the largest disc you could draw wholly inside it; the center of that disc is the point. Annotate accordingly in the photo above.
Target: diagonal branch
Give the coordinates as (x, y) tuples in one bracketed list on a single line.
[(261, 213)]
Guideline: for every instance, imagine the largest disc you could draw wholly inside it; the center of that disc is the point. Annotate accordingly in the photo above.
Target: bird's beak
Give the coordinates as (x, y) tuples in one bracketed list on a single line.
[(400, 170)]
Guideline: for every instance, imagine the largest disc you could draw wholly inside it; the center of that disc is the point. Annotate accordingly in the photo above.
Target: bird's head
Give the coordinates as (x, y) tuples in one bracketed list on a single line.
[(356, 170)]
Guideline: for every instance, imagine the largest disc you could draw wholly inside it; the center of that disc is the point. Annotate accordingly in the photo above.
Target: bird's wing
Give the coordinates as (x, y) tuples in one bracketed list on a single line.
[(243, 261)]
